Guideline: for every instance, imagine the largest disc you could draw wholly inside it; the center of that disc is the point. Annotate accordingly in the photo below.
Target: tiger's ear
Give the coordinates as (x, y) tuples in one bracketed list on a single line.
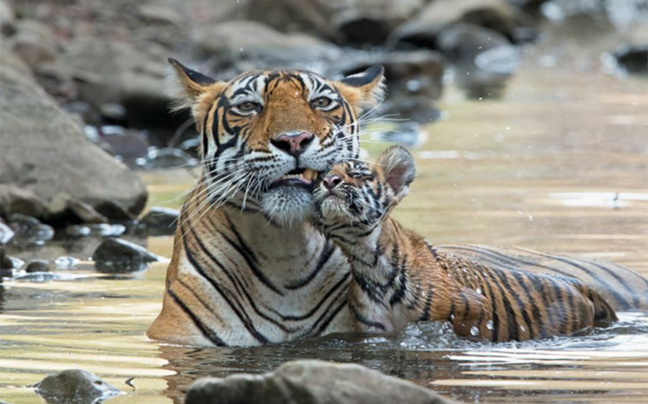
[(397, 166), (193, 85), (363, 90)]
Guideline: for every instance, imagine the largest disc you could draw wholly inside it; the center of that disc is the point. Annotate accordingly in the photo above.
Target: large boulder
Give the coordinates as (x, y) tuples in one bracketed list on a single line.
[(497, 15), (311, 382), (44, 151), (245, 45), (343, 21)]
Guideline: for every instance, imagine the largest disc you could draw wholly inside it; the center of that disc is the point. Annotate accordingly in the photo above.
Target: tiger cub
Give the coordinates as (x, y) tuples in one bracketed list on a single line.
[(400, 278)]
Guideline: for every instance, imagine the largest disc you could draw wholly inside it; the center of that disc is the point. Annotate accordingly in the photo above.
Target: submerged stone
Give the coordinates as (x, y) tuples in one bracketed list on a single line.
[(75, 386), (117, 256), (312, 382)]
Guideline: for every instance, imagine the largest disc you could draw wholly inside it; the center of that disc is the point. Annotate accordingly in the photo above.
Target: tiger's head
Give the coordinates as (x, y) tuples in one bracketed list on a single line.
[(268, 135), (355, 197)]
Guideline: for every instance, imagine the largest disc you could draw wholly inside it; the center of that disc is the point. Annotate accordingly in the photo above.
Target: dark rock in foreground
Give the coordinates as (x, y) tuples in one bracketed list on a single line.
[(117, 256), (311, 382), (45, 151), (75, 386)]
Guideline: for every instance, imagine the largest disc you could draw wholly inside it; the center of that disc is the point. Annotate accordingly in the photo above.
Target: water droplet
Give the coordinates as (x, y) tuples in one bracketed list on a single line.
[(489, 324), (452, 316), (478, 290), (530, 218), (522, 328), (474, 331)]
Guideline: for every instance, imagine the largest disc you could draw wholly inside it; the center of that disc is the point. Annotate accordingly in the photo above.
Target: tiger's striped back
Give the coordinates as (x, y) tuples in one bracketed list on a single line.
[(622, 288)]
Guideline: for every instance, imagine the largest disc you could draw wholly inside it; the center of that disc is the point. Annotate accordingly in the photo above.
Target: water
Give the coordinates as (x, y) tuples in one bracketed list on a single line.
[(567, 148)]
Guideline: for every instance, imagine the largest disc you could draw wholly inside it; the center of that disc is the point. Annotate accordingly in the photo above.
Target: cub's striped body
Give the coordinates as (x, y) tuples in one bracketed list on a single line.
[(248, 268), (400, 278)]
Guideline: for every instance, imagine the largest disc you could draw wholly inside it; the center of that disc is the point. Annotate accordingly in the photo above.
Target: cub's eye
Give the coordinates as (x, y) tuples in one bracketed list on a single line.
[(248, 106), (355, 174), (321, 102)]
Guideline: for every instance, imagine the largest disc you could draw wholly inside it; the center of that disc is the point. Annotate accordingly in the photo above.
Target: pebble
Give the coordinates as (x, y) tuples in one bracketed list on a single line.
[(160, 221), (38, 266)]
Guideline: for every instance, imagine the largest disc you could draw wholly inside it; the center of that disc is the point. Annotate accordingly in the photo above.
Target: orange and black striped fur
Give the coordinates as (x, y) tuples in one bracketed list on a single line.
[(248, 267), (400, 278)]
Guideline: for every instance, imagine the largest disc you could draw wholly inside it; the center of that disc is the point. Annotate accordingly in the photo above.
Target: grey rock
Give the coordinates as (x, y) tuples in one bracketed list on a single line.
[(632, 59), (498, 15), (6, 263), (38, 266), (33, 42), (15, 199), (6, 233), (333, 19), (160, 221), (166, 158), (46, 152), (6, 18), (117, 256), (75, 386), (233, 43), (422, 110), (311, 382), (95, 230), (29, 230), (484, 60), (410, 73)]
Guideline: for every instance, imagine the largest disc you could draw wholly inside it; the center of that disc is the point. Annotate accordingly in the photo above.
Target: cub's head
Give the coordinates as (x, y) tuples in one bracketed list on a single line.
[(355, 197), (268, 135)]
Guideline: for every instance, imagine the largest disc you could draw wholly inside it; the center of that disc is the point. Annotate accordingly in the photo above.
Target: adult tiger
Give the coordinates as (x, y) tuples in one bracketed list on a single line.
[(247, 267)]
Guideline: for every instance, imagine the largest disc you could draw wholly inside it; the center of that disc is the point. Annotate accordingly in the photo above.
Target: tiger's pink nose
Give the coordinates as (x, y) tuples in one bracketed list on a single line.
[(331, 181), (293, 144)]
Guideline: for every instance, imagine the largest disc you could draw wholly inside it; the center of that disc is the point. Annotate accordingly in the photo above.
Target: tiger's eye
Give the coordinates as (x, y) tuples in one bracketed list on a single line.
[(321, 102), (248, 106)]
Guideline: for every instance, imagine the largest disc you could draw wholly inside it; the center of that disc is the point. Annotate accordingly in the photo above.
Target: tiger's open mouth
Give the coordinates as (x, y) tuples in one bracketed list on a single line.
[(302, 177)]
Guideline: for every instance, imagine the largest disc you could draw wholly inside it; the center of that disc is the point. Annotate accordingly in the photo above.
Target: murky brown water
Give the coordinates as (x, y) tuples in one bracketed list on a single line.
[(561, 165)]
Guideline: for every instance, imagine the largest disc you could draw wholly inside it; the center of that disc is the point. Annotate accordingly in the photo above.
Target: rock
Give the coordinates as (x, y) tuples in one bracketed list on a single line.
[(129, 145), (6, 234), (33, 42), (66, 262), (311, 382), (632, 59), (160, 221), (117, 256), (497, 15), (483, 59), (166, 158), (234, 42), (75, 386), (415, 73), (15, 199), (106, 71), (113, 113), (418, 109), (360, 28), (6, 18), (408, 134), (95, 230), (338, 20), (6, 264), (29, 230), (38, 266), (45, 152), (87, 112), (156, 13)]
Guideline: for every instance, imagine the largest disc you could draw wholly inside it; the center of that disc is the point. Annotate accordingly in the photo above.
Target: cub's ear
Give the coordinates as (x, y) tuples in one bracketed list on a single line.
[(363, 90), (397, 166), (193, 85)]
